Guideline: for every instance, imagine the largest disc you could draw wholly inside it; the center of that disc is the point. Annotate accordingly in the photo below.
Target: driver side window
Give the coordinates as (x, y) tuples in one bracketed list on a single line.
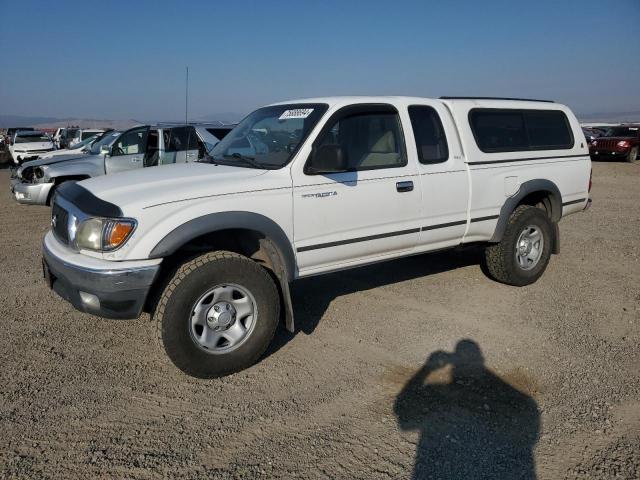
[(131, 142), (369, 140)]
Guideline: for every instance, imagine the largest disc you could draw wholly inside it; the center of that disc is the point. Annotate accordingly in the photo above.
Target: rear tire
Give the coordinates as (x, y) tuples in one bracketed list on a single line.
[(632, 156), (186, 321), (523, 254)]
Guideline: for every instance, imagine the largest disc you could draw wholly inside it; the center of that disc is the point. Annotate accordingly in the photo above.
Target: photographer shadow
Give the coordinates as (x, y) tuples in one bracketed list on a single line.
[(472, 423)]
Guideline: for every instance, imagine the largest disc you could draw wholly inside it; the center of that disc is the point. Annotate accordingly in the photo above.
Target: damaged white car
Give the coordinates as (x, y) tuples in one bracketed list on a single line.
[(29, 145)]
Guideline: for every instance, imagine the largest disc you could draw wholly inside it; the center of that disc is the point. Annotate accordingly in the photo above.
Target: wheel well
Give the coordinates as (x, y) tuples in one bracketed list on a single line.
[(545, 201), (541, 199), (238, 240), (246, 242)]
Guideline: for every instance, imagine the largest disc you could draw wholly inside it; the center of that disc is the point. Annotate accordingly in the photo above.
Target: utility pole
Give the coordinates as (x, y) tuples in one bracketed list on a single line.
[(186, 100)]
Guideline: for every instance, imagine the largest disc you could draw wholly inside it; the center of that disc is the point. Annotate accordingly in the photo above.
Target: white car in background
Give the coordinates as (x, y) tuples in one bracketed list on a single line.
[(29, 145), (79, 149), (83, 134)]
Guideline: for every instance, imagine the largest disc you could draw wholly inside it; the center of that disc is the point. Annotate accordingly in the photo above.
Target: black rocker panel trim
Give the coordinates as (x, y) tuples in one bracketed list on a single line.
[(392, 234)]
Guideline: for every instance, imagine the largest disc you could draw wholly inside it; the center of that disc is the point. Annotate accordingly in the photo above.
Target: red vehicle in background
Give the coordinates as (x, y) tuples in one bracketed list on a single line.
[(622, 142)]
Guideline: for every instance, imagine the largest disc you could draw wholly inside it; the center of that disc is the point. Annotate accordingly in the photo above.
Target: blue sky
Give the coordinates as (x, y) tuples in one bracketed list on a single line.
[(126, 59)]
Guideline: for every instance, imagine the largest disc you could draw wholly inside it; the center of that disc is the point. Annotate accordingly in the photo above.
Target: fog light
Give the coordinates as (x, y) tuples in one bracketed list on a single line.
[(90, 300), (22, 196)]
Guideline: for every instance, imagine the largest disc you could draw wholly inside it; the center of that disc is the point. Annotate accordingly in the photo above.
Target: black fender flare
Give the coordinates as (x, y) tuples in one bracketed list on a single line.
[(527, 188), (276, 242)]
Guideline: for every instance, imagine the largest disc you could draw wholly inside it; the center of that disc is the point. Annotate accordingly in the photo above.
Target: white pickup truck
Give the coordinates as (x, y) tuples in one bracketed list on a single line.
[(307, 187)]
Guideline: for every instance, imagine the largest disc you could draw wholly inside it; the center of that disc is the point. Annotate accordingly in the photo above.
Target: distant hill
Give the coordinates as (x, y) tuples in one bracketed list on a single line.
[(232, 117), (7, 121), (90, 123), (611, 117)]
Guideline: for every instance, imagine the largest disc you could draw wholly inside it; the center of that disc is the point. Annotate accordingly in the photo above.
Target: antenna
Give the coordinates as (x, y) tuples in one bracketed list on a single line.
[(186, 99)]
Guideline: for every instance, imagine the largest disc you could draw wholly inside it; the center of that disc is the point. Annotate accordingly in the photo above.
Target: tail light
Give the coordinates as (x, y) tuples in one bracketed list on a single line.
[(623, 143), (590, 179)]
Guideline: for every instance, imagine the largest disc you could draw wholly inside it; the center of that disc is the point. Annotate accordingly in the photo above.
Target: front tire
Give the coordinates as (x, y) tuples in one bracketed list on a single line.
[(218, 314), (522, 256), (632, 156)]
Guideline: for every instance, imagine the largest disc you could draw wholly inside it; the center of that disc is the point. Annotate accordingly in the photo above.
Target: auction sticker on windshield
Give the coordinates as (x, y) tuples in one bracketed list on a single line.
[(295, 113)]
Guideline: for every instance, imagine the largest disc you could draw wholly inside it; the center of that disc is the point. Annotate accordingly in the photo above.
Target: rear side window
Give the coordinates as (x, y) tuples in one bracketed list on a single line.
[(181, 139), (548, 129), (431, 141), (512, 130)]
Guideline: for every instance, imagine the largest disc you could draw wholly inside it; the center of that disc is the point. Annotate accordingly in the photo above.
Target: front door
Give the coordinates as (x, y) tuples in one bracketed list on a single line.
[(370, 211), (128, 151)]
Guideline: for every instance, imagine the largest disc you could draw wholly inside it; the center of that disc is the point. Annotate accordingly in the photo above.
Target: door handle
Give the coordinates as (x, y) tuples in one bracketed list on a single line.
[(404, 186), (135, 159)]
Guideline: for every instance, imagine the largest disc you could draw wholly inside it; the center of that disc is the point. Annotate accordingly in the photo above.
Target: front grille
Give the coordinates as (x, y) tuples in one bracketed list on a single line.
[(40, 150), (606, 144), (59, 221)]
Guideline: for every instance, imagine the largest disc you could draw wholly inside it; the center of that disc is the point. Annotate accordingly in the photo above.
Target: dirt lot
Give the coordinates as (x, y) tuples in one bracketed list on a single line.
[(542, 380)]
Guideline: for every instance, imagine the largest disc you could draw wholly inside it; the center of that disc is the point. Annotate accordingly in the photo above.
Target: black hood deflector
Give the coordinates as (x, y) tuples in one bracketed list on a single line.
[(87, 201)]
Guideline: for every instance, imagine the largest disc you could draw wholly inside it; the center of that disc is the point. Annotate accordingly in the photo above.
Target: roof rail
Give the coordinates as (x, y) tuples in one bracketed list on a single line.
[(497, 98)]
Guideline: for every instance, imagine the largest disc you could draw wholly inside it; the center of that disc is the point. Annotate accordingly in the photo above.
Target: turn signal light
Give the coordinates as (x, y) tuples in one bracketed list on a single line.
[(116, 232)]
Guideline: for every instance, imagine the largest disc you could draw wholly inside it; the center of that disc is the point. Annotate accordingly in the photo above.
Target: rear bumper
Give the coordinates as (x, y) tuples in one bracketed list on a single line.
[(30, 193), (106, 289)]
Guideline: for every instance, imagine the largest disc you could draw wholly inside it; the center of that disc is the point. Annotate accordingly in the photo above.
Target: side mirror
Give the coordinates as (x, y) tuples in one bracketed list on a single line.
[(105, 150), (327, 159)]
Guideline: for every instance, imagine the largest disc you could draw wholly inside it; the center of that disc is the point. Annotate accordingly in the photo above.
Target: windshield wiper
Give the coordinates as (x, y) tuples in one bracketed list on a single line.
[(247, 160)]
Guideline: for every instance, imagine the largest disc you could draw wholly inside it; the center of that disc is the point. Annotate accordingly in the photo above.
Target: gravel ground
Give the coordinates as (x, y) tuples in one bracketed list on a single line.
[(414, 368)]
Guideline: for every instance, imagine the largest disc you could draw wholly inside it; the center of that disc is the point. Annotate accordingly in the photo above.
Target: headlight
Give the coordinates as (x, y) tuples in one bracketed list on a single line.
[(103, 234), (38, 172)]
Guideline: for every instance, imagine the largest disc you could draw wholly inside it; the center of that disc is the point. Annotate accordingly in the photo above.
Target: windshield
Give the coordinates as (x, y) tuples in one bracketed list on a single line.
[(32, 137), (86, 135), (622, 132), (268, 137), (107, 139), (84, 143)]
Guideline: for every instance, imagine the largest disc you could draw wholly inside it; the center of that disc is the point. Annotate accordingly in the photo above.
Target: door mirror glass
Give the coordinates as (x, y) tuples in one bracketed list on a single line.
[(327, 159), (105, 150)]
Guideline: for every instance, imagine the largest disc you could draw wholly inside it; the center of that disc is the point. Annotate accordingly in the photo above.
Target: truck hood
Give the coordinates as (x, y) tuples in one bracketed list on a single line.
[(170, 183), (54, 159), (65, 153)]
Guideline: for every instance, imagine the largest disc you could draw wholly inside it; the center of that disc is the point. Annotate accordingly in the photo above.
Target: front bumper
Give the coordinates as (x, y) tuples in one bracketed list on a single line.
[(595, 154), (100, 287), (29, 155), (30, 193)]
